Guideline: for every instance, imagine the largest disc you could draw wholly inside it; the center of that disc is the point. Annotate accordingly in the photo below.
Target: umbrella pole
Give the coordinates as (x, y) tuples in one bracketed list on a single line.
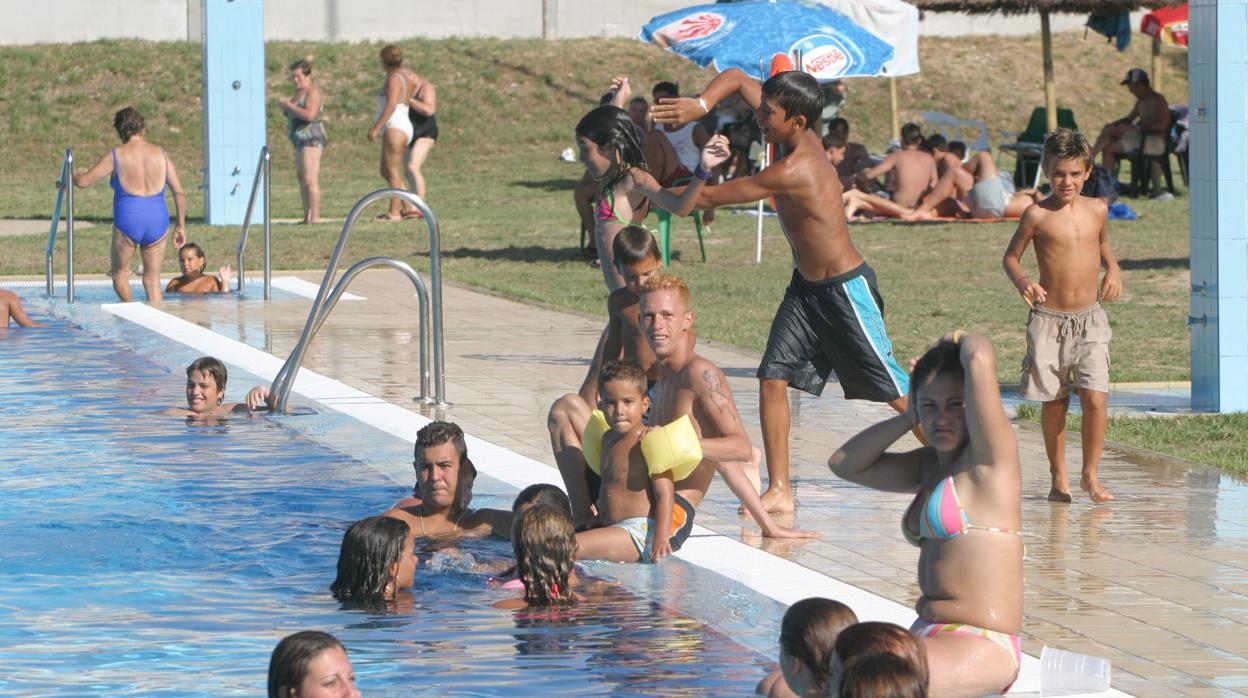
[(892, 102), (1050, 90), (1156, 65)]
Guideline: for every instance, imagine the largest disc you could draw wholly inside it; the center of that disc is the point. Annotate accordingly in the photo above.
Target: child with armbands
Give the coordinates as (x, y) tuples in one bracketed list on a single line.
[(643, 518), (808, 635)]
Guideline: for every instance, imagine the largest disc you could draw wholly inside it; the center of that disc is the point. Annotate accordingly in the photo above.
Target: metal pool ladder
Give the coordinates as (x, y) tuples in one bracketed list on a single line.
[(262, 170), (64, 195), (327, 299)]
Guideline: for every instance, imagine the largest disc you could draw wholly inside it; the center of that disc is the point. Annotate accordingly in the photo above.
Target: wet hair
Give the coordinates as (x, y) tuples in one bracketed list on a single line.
[(944, 358), (911, 134), (834, 140), (199, 251), (634, 244), (128, 122), (666, 87), (957, 148), (667, 281), (874, 637), (303, 65), (369, 549), (288, 665), (809, 631), (839, 123), (545, 494), (438, 433), (797, 93), (212, 367), (391, 57), (883, 675), (612, 126), (544, 543), (935, 142), (1067, 144), (630, 372)]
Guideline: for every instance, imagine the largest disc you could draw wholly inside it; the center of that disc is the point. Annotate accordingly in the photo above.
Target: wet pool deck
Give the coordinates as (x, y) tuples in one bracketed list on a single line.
[(1157, 581)]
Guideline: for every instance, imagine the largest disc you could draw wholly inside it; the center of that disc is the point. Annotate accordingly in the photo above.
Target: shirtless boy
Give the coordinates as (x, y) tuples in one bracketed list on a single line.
[(193, 280), (444, 478), (831, 316), (912, 172), (973, 189), (1067, 332), (643, 517), (637, 258)]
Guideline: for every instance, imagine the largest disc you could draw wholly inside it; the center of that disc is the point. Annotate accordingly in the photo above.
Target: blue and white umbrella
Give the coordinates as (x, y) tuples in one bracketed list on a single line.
[(746, 35)]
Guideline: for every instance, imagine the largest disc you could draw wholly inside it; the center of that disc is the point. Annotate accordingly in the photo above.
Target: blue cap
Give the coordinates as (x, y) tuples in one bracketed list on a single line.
[(1135, 76)]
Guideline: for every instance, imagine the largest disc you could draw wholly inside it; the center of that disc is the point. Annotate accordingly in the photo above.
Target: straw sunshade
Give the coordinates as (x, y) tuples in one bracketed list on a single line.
[(1044, 8)]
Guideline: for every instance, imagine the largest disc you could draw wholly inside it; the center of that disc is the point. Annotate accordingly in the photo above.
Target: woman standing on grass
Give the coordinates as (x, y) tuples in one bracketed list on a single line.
[(420, 111), (141, 173), (393, 125), (965, 518), (307, 134)]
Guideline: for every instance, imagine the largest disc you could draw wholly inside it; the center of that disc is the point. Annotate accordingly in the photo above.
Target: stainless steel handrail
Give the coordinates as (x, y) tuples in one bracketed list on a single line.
[(327, 299), (262, 170), (65, 195)]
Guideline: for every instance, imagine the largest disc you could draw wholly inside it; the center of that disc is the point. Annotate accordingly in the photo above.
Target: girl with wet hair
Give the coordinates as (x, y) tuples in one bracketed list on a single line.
[(881, 676), (311, 664), (377, 560), (610, 147), (808, 635), (545, 546)]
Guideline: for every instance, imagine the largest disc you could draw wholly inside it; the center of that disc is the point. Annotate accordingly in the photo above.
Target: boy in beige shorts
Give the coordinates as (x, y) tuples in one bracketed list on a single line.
[(1067, 333)]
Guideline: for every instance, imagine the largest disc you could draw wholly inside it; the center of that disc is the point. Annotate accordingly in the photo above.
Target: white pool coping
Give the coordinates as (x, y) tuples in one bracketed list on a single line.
[(769, 575)]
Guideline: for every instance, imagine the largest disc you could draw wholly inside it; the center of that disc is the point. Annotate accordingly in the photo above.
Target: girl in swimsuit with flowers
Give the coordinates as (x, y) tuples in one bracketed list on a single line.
[(965, 517)]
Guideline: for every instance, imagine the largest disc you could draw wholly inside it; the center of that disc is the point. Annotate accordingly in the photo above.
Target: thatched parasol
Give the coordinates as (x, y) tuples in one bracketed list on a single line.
[(1044, 7)]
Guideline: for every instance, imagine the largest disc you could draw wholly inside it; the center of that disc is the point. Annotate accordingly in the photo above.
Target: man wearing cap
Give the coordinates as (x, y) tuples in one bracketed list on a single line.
[(1149, 120)]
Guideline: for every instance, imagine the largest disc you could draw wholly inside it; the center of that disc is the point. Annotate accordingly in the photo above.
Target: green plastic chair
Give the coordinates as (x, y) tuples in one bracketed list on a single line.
[(1026, 150), (665, 228)]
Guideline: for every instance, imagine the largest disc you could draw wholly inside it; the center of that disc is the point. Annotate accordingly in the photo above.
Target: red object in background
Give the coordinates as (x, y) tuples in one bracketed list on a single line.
[(1167, 25)]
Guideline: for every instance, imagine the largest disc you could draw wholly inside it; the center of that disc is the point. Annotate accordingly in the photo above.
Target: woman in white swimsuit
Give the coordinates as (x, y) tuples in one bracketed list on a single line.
[(393, 125)]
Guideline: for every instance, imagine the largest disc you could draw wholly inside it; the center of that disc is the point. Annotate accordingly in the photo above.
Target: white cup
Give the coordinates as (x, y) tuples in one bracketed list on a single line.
[(1065, 673)]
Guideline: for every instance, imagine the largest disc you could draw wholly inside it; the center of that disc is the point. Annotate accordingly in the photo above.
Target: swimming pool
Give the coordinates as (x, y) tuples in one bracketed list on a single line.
[(142, 555)]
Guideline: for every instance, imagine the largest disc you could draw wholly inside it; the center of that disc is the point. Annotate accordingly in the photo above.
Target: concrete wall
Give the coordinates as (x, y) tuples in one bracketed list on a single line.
[(58, 21)]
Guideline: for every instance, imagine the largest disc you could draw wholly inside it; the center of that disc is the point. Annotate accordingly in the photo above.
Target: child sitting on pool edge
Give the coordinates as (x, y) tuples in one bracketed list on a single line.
[(808, 635), (643, 517), (193, 280), (544, 544)]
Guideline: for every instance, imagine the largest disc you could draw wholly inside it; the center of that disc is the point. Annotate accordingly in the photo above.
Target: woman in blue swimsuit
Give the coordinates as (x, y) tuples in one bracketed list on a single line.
[(141, 172)]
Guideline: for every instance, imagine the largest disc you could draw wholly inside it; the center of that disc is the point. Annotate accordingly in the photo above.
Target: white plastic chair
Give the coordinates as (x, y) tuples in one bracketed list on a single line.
[(951, 127)]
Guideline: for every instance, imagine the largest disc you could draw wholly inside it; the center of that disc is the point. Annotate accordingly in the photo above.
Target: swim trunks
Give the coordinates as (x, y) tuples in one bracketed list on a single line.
[(1154, 143), (144, 220), (1065, 349), (640, 528), (834, 324), (987, 198), (1010, 643)]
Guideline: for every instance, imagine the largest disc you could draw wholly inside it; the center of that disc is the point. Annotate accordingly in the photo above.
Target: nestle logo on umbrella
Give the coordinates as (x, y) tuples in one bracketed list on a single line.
[(823, 56), (695, 27)]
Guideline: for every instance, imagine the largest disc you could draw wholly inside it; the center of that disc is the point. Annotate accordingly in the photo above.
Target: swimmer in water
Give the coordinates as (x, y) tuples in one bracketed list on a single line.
[(193, 280), (205, 392), (11, 307), (545, 546)]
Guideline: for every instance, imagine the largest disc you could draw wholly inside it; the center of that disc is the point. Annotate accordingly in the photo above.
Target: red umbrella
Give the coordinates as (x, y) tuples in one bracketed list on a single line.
[(1167, 25)]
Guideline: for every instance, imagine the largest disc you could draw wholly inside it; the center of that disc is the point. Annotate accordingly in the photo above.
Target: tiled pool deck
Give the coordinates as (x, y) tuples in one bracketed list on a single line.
[(1157, 581)]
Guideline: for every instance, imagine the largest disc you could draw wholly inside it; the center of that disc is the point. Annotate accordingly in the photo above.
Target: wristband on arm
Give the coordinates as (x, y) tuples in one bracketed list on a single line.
[(704, 175)]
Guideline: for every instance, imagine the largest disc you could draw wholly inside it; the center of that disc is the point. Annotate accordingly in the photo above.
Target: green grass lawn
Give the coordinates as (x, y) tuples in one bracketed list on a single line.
[(506, 110)]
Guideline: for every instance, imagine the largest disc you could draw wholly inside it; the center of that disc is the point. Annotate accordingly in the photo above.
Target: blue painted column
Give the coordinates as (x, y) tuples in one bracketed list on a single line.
[(234, 118), (1217, 74)]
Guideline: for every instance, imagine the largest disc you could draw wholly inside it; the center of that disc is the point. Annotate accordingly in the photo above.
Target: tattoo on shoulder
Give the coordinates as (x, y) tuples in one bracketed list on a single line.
[(718, 393)]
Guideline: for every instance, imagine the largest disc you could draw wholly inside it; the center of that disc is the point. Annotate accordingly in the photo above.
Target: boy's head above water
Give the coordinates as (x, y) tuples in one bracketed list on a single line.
[(622, 394), (1067, 162)]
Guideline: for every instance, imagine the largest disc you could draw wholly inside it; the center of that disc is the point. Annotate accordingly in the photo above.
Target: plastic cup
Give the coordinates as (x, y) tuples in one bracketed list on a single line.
[(1065, 673)]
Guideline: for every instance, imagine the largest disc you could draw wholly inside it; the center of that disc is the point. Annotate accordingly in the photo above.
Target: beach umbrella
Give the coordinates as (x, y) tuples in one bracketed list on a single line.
[(1044, 8), (1167, 25), (745, 35)]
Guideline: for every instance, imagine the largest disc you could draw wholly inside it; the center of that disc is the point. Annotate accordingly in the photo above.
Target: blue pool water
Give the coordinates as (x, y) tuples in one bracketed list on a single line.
[(143, 555)]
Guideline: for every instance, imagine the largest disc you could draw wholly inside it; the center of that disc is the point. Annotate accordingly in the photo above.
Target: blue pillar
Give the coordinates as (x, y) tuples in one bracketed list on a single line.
[(234, 100), (1217, 74)]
